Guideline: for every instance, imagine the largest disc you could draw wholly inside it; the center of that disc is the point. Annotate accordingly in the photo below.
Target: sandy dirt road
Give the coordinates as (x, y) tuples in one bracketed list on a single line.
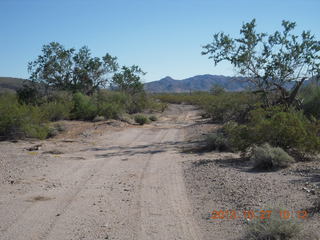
[(121, 184)]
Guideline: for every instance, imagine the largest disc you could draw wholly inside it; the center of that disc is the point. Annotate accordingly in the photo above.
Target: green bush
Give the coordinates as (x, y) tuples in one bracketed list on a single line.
[(312, 106), (216, 89), (311, 103), (141, 119), (289, 130), (230, 106), (273, 228), (217, 141), (29, 94), (138, 103), (154, 105), (266, 157), (153, 118), (110, 110), (20, 120), (55, 111), (106, 96), (220, 106), (55, 129), (35, 130), (83, 107)]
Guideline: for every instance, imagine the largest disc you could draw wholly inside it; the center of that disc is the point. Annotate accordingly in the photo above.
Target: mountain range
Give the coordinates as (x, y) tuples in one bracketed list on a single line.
[(9, 84), (196, 83), (164, 85)]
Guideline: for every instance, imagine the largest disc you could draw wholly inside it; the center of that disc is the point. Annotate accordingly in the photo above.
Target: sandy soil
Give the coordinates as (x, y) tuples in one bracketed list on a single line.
[(223, 181), (112, 180), (99, 181)]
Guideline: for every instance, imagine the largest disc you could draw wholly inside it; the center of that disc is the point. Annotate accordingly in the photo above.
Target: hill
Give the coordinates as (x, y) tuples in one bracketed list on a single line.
[(196, 83), (9, 84)]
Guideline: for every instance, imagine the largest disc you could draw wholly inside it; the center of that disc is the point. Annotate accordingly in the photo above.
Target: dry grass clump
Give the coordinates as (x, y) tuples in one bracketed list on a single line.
[(273, 228), (266, 157)]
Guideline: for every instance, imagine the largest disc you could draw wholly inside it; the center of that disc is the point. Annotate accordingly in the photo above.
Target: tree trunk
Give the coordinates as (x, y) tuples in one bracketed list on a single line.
[(293, 94)]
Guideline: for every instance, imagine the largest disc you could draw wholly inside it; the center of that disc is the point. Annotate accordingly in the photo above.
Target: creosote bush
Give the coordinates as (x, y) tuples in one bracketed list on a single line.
[(84, 108), (221, 108), (153, 118), (20, 120), (217, 141), (141, 119), (55, 110), (290, 130), (266, 157), (311, 99)]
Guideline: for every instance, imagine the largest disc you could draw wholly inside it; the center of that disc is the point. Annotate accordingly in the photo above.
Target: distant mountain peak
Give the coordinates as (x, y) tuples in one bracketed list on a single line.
[(167, 78), (197, 83)]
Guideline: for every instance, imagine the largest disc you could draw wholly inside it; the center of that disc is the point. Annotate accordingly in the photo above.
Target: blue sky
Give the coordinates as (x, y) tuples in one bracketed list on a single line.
[(163, 37)]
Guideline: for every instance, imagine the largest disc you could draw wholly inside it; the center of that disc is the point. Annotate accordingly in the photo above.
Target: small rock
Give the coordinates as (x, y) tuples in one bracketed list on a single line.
[(34, 148), (306, 189)]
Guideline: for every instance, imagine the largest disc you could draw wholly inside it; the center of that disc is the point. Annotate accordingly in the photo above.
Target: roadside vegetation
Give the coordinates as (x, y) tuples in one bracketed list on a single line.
[(274, 228), (70, 85), (274, 123), (279, 114)]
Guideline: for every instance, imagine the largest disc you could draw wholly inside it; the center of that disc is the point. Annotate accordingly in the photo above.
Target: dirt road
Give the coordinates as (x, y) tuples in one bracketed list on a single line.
[(120, 184)]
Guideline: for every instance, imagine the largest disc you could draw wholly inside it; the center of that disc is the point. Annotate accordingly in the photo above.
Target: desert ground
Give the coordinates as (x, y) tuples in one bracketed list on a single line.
[(113, 180)]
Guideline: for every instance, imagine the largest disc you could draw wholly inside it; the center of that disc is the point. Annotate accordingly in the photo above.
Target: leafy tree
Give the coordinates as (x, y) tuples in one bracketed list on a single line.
[(29, 94), (65, 69), (271, 63), (90, 72), (128, 80)]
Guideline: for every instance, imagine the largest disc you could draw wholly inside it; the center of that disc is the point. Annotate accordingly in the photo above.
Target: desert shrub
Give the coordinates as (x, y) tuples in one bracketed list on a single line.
[(216, 89), (290, 130), (170, 98), (83, 107), (312, 106), (155, 105), (124, 102), (217, 141), (105, 96), (141, 119), (29, 94), (153, 118), (138, 103), (230, 106), (20, 120), (110, 110), (266, 157), (55, 111), (221, 106), (310, 94), (273, 228), (194, 98), (35, 130), (311, 97), (125, 117), (98, 119)]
